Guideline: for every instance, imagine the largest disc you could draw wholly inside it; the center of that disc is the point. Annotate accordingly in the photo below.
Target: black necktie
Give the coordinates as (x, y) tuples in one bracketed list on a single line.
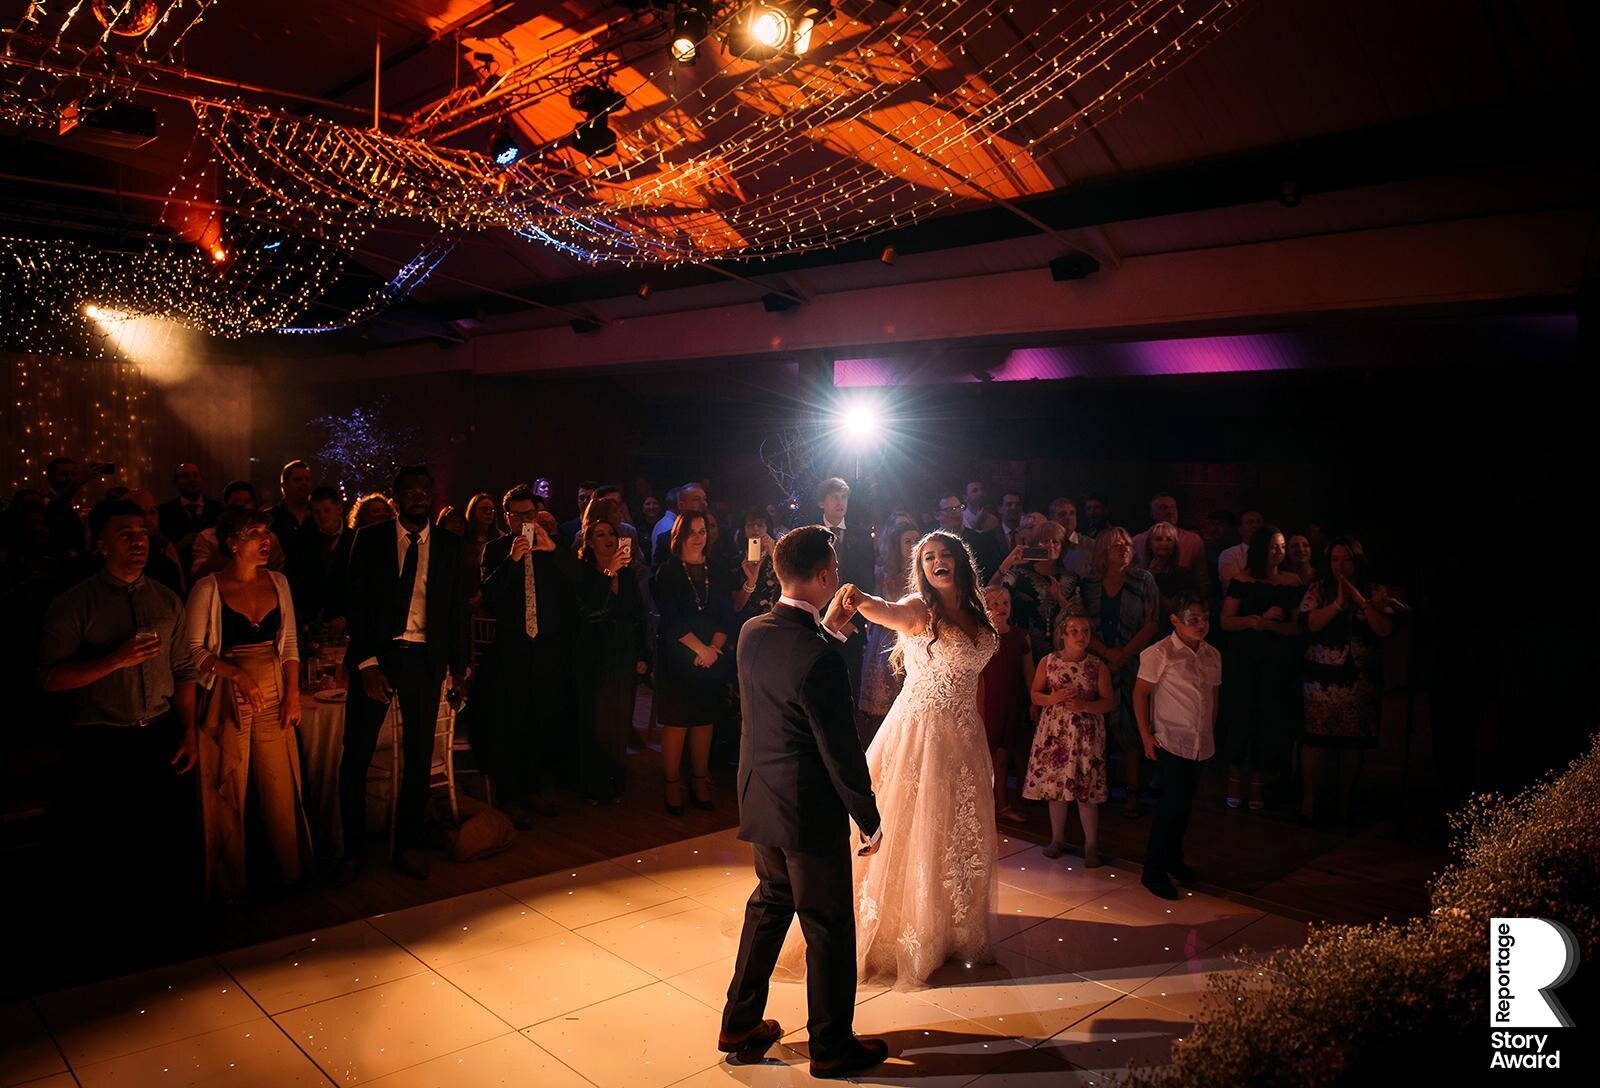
[(408, 581)]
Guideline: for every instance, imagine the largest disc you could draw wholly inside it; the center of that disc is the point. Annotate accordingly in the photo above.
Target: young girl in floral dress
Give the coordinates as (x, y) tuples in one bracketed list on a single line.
[(1068, 759)]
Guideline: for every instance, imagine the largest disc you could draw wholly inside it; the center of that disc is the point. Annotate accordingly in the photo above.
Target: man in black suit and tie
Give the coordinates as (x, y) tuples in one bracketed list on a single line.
[(319, 563), (857, 562), (191, 513), (408, 627), (523, 723), (802, 779)]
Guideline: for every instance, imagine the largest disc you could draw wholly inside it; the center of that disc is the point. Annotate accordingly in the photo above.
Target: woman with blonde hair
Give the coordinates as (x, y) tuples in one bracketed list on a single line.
[(373, 508)]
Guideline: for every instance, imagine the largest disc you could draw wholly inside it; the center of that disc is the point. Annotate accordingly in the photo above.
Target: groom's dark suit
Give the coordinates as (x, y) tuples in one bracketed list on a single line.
[(802, 778)]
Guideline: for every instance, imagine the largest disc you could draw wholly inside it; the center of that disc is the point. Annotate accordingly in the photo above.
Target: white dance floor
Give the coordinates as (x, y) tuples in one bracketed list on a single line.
[(613, 976)]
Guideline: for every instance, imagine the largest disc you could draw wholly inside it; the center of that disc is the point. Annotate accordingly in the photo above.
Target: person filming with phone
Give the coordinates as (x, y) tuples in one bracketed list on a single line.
[(523, 719), (1041, 588)]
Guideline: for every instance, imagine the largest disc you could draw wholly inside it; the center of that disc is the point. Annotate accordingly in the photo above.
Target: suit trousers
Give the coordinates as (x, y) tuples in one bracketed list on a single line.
[(416, 689), (818, 888), (1179, 777)]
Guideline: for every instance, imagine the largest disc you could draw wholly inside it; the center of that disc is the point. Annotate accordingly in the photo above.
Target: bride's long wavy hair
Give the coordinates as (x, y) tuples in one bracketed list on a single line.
[(967, 589)]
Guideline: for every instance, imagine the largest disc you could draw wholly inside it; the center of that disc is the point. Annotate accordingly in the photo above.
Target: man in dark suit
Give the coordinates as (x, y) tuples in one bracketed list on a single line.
[(319, 563), (802, 778), (522, 721), (408, 627), (857, 561), (185, 517), (587, 491)]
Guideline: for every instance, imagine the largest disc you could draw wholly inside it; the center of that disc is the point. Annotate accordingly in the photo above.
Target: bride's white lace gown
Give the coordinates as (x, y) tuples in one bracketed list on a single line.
[(929, 894)]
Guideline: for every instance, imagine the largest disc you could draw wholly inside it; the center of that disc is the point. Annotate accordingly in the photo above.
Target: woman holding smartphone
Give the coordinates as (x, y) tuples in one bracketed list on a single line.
[(1041, 588), (698, 606), (611, 653)]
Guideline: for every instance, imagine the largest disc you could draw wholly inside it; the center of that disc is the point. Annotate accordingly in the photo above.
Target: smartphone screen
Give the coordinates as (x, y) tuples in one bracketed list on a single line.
[(752, 550), (625, 550), (527, 532)]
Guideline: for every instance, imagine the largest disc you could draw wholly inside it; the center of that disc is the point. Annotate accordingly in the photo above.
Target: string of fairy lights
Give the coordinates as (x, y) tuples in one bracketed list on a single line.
[(889, 114)]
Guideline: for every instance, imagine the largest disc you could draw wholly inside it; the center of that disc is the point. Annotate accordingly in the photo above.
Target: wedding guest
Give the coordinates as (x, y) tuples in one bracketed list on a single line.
[(1344, 614), (523, 724), (610, 656), (1175, 705), (241, 633), (207, 558), (65, 477), (613, 493), (1297, 560), (483, 525), (1220, 532), (691, 499), (453, 520), (113, 645), (1191, 549), (408, 629), (949, 512), (880, 683), (650, 510), (981, 530), (1010, 527), (568, 531), (1067, 761), (319, 564), (164, 565), (764, 592), (1259, 613), (1121, 602), (1006, 677), (1096, 516), (1040, 589), (294, 485), (1160, 558), (694, 662), (856, 560), (1234, 559), (373, 508), (184, 516), (1077, 550)]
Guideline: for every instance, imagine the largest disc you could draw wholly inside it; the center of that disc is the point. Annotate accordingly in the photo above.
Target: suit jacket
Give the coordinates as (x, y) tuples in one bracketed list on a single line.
[(555, 586), (320, 582), (176, 523), (376, 616), (858, 560), (802, 772)]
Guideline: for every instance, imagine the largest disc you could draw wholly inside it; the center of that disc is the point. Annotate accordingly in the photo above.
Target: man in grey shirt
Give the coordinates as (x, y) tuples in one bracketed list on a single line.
[(113, 645)]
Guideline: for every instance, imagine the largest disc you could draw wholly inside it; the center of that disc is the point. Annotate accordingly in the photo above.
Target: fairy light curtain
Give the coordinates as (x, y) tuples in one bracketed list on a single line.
[(104, 411)]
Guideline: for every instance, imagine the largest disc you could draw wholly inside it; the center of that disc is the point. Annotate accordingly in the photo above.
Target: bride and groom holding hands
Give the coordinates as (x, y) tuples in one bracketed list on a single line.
[(919, 887)]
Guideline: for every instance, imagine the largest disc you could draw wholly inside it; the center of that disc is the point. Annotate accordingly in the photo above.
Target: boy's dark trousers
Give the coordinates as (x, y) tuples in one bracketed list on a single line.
[(1179, 777)]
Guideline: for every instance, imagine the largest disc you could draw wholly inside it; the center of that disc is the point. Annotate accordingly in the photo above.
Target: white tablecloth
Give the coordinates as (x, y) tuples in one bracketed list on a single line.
[(321, 737)]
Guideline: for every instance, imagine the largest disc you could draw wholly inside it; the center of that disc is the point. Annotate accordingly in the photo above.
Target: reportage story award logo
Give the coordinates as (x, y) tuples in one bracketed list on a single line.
[(1528, 958)]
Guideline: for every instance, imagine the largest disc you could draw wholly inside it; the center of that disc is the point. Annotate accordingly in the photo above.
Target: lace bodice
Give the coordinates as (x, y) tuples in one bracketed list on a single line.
[(947, 668)]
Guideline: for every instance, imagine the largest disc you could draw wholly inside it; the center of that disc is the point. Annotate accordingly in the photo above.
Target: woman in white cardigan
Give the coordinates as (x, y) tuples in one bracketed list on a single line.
[(240, 626)]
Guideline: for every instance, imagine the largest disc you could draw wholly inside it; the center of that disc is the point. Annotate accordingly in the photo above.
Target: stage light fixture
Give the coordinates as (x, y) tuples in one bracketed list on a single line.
[(777, 304), (769, 28), (1073, 266), (595, 138), (219, 254), (689, 28), (860, 422), (595, 100), (505, 147)]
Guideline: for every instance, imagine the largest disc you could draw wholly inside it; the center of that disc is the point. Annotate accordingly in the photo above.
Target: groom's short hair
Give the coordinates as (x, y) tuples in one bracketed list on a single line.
[(802, 552)]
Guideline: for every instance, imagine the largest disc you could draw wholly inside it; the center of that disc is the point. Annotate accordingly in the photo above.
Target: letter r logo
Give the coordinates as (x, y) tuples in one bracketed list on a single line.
[(1528, 957)]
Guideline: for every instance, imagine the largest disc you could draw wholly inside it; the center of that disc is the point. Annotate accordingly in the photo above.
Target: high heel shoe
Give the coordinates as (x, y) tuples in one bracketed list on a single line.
[(675, 809), (708, 804)]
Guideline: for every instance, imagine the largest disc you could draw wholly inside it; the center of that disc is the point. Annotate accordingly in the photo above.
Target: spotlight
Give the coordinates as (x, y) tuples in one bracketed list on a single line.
[(769, 27), (888, 255), (689, 28), (505, 148), (1074, 266), (595, 100), (219, 254), (91, 311), (860, 423), (595, 138)]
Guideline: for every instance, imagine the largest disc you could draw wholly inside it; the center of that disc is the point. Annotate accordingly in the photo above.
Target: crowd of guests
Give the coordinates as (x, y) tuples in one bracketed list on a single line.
[(170, 635)]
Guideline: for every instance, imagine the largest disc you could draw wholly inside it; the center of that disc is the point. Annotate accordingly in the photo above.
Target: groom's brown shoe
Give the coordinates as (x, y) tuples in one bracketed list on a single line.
[(861, 1054), (751, 1046)]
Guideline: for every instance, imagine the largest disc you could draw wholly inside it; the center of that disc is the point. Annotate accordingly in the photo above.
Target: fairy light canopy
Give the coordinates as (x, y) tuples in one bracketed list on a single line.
[(588, 129)]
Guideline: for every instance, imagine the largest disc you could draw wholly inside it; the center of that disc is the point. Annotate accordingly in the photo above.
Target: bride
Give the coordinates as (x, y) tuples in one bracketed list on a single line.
[(929, 893)]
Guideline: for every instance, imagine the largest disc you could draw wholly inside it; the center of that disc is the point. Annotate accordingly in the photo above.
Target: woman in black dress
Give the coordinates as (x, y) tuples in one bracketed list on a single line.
[(610, 655), (1260, 661), (698, 603)]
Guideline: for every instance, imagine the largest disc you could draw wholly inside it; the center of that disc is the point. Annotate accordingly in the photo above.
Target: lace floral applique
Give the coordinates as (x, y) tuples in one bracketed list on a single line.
[(963, 872)]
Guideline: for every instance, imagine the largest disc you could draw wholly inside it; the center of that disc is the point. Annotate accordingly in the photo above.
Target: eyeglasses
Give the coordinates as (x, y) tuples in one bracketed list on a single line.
[(951, 509)]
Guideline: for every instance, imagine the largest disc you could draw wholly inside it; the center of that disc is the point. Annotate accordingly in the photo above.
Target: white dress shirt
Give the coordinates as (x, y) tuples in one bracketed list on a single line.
[(807, 606), (1235, 557), (416, 629), (1183, 707)]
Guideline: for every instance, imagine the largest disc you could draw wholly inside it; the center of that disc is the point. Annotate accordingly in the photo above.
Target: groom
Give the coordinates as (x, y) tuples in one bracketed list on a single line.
[(802, 778)]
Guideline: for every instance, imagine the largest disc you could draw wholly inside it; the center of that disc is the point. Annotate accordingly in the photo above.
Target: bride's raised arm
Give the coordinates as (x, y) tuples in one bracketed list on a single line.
[(908, 615)]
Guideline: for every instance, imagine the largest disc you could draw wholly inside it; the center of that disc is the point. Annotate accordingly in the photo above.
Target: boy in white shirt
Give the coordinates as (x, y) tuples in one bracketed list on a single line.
[(1175, 703)]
